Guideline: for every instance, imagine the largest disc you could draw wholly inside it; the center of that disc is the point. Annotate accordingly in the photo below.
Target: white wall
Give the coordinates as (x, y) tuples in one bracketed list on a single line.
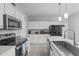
[(24, 30), (74, 24), (42, 21), (43, 18)]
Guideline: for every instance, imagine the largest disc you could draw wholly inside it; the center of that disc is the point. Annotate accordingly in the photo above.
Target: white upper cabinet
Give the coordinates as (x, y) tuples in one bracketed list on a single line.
[(1, 15), (44, 25), (1, 6), (17, 14), (6, 8), (24, 22), (38, 25), (9, 9), (34, 25)]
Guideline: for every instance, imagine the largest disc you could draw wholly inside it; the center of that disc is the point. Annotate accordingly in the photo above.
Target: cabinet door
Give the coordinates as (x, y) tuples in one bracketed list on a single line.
[(30, 39), (24, 21), (1, 15), (44, 25), (38, 25), (26, 45), (9, 9), (42, 39), (24, 48), (34, 25), (17, 14), (33, 39)]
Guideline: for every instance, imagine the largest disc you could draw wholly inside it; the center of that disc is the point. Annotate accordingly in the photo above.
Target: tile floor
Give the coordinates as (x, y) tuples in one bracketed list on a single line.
[(38, 50)]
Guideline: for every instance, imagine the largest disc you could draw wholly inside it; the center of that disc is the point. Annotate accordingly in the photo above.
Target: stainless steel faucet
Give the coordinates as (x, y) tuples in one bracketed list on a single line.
[(73, 34)]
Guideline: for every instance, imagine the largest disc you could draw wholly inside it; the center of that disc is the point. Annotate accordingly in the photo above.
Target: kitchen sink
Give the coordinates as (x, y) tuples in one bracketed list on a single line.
[(61, 46)]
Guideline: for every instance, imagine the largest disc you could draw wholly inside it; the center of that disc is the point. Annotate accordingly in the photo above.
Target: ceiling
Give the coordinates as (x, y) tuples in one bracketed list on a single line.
[(48, 9)]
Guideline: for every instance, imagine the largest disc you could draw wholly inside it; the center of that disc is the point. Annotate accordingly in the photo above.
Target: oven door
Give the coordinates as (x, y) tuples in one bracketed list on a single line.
[(8, 41), (19, 51)]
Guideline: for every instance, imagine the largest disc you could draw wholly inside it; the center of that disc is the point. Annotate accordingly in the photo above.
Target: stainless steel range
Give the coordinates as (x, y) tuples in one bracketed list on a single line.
[(7, 39), (10, 39)]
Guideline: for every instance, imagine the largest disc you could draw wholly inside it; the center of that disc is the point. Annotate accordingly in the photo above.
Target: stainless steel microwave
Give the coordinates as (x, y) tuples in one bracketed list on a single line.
[(11, 23)]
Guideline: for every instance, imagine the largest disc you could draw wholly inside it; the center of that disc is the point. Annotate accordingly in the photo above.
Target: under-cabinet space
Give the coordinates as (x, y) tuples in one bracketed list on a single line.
[(38, 31)]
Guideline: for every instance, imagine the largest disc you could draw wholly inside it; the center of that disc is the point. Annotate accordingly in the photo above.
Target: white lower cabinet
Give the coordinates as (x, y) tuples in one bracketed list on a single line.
[(1, 15), (24, 48), (9, 9), (38, 38)]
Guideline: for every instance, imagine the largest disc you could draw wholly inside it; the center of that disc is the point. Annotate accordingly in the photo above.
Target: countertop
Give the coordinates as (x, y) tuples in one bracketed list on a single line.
[(3, 49), (69, 41), (20, 41), (60, 39)]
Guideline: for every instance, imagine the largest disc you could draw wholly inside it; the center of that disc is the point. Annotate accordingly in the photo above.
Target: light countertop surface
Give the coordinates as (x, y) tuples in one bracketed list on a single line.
[(71, 42), (3, 49), (60, 39)]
